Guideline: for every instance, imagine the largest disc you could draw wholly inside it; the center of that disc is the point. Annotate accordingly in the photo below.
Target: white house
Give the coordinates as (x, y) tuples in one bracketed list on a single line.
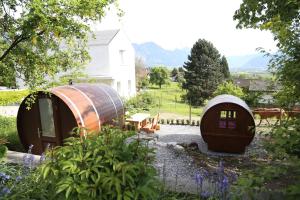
[(112, 61)]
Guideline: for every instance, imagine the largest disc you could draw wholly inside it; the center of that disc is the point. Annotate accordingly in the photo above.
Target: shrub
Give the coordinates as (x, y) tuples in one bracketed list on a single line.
[(285, 139), (8, 131), (162, 121), (229, 88), (103, 167), (177, 122), (12, 97), (139, 103)]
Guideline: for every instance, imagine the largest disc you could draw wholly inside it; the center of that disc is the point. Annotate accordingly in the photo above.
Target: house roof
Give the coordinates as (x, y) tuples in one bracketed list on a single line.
[(263, 85), (104, 37), (242, 82)]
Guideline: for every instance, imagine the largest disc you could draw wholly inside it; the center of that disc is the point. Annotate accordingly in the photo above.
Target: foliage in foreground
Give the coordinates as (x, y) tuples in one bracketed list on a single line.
[(96, 167), (32, 33), (280, 176)]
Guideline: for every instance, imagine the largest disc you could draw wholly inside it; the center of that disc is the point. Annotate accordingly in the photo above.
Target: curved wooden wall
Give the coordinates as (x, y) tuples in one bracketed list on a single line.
[(83, 105), (227, 139)]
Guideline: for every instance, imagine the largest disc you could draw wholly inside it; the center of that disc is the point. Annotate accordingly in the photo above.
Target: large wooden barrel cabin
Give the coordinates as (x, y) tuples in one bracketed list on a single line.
[(55, 113), (227, 124)]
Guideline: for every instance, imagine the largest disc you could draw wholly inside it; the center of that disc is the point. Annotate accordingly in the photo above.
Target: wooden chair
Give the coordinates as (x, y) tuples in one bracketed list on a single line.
[(152, 126)]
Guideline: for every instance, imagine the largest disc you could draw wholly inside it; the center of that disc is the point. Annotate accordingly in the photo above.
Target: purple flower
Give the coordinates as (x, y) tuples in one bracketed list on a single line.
[(4, 176), (223, 185), (18, 178), (5, 190), (205, 194), (221, 168), (43, 155), (199, 178), (28, 158)]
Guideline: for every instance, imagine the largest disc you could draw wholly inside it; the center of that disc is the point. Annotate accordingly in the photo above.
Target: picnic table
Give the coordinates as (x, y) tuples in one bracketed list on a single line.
[(138, 120)]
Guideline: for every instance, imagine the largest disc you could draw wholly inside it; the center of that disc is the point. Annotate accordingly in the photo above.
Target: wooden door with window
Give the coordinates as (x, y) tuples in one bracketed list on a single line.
[(48, 131)]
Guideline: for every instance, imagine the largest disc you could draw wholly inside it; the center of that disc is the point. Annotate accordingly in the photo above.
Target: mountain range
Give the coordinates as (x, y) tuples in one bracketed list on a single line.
[(153, 55)]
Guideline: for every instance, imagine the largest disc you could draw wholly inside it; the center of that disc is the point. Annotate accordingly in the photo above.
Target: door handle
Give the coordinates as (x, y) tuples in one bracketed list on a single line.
[(39, 132)]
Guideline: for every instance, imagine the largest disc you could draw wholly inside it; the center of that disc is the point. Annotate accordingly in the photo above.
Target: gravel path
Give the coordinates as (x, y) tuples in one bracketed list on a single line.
[(174, 165)]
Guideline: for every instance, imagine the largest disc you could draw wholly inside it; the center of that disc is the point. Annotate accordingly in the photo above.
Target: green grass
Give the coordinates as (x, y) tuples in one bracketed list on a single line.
[(168, 100), (8, 131)]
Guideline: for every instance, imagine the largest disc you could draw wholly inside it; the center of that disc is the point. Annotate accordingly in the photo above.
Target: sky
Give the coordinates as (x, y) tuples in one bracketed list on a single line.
[(176, 24)]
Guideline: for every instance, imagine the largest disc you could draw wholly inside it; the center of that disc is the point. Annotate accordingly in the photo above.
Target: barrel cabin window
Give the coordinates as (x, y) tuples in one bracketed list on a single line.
[(227, 119)]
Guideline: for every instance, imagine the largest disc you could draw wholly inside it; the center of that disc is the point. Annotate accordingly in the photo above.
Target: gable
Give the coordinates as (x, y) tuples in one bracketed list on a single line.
[(103, 37)]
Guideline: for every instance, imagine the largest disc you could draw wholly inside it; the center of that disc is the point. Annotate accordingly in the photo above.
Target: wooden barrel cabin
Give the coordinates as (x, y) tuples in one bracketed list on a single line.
[(55, 113), (227, 124)]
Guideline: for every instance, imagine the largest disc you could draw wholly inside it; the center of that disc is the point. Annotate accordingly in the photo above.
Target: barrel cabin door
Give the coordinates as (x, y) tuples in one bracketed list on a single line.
[(47, 130)]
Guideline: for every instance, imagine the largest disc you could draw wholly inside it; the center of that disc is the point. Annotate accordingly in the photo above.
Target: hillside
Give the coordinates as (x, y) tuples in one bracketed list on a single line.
[(153, 55)]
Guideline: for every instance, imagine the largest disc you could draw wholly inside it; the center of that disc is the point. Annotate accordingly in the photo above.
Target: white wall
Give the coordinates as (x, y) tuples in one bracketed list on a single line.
[(123, 70), (99, 65)]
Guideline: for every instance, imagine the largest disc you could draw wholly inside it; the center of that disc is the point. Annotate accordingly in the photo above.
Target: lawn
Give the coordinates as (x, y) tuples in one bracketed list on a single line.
[(168, 102)]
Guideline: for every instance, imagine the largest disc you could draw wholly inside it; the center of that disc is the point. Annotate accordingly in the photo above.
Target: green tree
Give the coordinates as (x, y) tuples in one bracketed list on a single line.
[(174, 73), (282, 19), (40, 38), (159, 76), (202, 72), (225, 68), (229, 88)]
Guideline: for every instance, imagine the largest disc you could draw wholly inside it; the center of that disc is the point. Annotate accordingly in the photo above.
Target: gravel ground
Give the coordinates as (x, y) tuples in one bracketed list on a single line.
[(174, 165)]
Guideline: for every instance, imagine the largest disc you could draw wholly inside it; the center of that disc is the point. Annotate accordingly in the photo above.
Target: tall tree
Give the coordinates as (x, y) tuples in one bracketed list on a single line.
[(225, 68), (40, 38), (282, 18), (159, 75), (202, 72)]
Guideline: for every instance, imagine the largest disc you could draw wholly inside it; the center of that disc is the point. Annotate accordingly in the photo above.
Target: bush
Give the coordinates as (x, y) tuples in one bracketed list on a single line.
[(139, 103), (8, 131), (102, 167), (12, 97), (229, 88), (285, 139)]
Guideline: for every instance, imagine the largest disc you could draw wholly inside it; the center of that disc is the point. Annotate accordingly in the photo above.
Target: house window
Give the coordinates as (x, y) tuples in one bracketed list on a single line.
[(223, 114), (122, 57), (119, 87), (129, 86), (227, 119), (231, 114)]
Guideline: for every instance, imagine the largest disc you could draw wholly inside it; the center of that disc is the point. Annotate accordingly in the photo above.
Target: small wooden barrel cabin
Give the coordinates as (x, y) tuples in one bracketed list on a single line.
[(54, 114), (227, 124)]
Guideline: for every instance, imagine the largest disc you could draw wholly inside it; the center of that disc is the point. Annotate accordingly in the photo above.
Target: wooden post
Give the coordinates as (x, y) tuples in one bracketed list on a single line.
[(190, 117)]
